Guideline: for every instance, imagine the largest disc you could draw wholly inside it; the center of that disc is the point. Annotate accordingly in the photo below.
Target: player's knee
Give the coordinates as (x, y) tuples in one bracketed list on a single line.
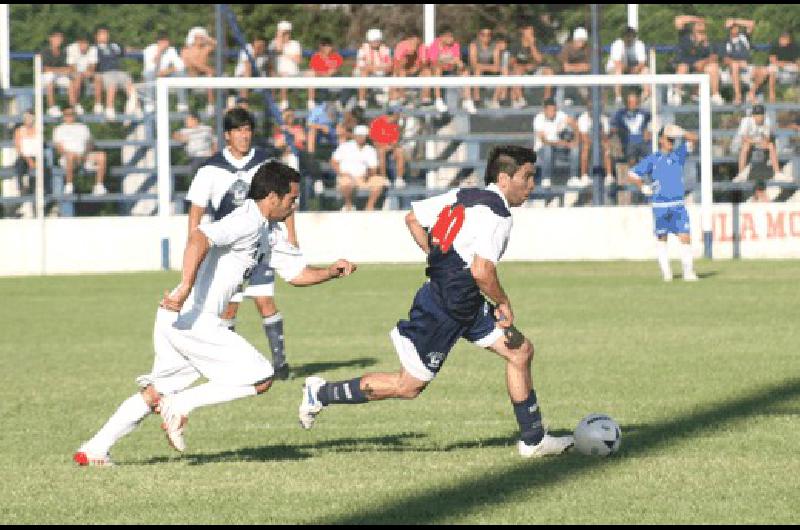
[(523, 355), (409, 390)]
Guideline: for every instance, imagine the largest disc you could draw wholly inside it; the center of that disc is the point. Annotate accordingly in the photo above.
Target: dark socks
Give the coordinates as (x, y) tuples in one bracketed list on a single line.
[(342, 392), (273, 328), (529, 418)]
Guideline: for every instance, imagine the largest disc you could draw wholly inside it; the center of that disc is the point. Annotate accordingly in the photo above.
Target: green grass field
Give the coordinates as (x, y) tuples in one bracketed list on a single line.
[(703, 378)]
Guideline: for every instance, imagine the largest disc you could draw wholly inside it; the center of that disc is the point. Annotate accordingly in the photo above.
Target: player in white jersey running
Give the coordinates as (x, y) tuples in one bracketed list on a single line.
[(464, 233), (190, 338), (221, 183)]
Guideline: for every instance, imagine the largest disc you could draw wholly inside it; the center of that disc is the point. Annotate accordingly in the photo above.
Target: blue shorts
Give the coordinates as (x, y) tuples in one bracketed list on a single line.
[(670, 220), (426, 338)]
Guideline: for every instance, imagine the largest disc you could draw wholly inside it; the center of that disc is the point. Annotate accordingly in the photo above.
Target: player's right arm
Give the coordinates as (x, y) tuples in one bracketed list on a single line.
[(196, 250), (643, 168), (199, 195), (417, 232)]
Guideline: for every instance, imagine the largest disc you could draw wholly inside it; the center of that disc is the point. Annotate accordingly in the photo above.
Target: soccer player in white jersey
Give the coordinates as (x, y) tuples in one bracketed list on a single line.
[(222, 183), (464, 234), (190, 338), (665, 169)]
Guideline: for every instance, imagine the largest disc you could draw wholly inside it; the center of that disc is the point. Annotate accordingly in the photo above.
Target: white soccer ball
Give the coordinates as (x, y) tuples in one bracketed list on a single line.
[(597, 435)]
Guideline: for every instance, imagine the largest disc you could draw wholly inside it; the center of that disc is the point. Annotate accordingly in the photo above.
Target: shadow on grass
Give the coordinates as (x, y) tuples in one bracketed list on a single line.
[(709, 274), (304, 370), (435, 505)]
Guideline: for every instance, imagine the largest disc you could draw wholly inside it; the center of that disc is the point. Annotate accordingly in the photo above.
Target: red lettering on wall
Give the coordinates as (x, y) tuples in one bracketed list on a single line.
[(794, 224), (775, 226), (748, 226), (721, 228)]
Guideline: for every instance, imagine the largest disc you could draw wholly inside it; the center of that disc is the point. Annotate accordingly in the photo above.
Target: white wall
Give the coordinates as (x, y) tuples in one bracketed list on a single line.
[(119, 244)]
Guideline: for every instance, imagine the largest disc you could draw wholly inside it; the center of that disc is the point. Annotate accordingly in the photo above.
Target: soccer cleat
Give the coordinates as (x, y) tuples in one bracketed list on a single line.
[(173, 423), (550, 445), (690, 276), (83, 458), (310, 406)]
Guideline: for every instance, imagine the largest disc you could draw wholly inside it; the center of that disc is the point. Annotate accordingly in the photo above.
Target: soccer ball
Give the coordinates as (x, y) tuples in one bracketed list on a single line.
[(597, 435)]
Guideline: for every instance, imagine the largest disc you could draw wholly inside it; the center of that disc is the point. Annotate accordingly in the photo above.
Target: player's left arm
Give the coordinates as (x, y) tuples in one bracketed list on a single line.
[(485, 274), (196, 250), (314, 275)]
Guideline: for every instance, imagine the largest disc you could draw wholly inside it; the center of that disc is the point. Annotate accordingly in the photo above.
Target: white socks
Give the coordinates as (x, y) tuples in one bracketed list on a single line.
[(123, 421), (663, 259), (687, 260), (209, 394)]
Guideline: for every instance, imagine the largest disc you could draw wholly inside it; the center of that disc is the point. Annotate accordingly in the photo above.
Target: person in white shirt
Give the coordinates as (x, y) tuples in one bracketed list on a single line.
[(551, 129), (288, 54), (190, 339), (464, 234), (162, 60), (258, 49), (628, 56), (356, 165), (84, 58), (374, 59), (756, 132), (73, 143)]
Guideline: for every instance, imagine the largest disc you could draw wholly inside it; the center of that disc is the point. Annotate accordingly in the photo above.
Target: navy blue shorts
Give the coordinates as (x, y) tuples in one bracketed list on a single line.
[(426, 338)]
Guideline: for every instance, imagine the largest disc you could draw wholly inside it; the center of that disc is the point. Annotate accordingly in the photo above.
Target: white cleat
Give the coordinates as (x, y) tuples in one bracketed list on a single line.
[(310, 406), (550, 445), (173, 423), (690, 277)]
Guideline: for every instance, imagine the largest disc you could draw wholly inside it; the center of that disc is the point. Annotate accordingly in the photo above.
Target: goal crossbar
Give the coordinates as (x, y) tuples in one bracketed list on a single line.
[(164, 84)]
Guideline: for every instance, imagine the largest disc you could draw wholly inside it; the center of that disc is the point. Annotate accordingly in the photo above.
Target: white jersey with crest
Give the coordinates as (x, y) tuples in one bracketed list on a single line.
[(235, 245)]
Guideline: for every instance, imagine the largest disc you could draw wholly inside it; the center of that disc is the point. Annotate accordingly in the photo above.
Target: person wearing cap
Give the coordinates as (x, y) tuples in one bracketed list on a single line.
[(374, 59), (356, 165), (628, 56), (195, 54), (665, 169), (756, 132), (288, 53), (574, 55)]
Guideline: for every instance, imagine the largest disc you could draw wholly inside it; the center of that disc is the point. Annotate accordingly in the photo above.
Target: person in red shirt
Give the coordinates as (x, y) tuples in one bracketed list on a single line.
[(324, 63), (410, 60), (384, 131)]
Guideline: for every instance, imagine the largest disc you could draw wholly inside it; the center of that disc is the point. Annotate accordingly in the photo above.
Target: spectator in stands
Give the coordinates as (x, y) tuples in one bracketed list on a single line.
[(109, 74), (325, 62), (349, 121), (527, 60), (695, 55), (505, 62), (410, 60), (585, 133), (554, 129), (288, 54), (84, 59), (386, 134), (26, 144), (356, 165), (321, 122), (198, 139), (485, 59), (784, 62), (444, 56), (162, 60), (756, 132), (628, 56), (73, 143), (195, 55), (56, 71), (631, 124), (258, 50), (737, 54), (575, 58), (298, 134), (374, 59)]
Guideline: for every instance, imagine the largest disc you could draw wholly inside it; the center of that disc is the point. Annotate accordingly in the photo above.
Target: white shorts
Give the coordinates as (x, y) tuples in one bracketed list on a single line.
[(61, 80), (207, 349)]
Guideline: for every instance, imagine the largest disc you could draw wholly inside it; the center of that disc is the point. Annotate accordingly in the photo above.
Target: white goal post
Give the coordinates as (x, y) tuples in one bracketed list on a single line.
[(164, 84)]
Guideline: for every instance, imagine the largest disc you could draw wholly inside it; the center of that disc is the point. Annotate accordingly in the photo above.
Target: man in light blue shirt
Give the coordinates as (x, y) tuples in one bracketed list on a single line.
[(665, 170)]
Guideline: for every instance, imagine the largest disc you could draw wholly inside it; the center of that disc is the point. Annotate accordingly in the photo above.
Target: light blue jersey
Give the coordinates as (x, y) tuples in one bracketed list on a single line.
[(666, 171)]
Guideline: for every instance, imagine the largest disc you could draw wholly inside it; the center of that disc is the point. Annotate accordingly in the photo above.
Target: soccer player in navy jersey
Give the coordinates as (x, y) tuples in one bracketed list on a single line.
[(464, 233), (665, 169)]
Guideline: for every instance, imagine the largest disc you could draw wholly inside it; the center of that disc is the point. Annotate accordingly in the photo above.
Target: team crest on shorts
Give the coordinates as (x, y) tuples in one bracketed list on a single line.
[(435, 359)]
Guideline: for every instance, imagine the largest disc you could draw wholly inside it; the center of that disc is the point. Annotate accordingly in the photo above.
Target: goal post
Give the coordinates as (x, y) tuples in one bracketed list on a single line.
[(163, 86)]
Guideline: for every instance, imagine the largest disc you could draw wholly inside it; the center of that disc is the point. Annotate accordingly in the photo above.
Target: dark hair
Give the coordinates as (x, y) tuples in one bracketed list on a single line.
[(272, 177), (193, 114), (236, 118), (549, 101), (630, 31), (162, 35), (507, 159), (325, 41), (445, 29)]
